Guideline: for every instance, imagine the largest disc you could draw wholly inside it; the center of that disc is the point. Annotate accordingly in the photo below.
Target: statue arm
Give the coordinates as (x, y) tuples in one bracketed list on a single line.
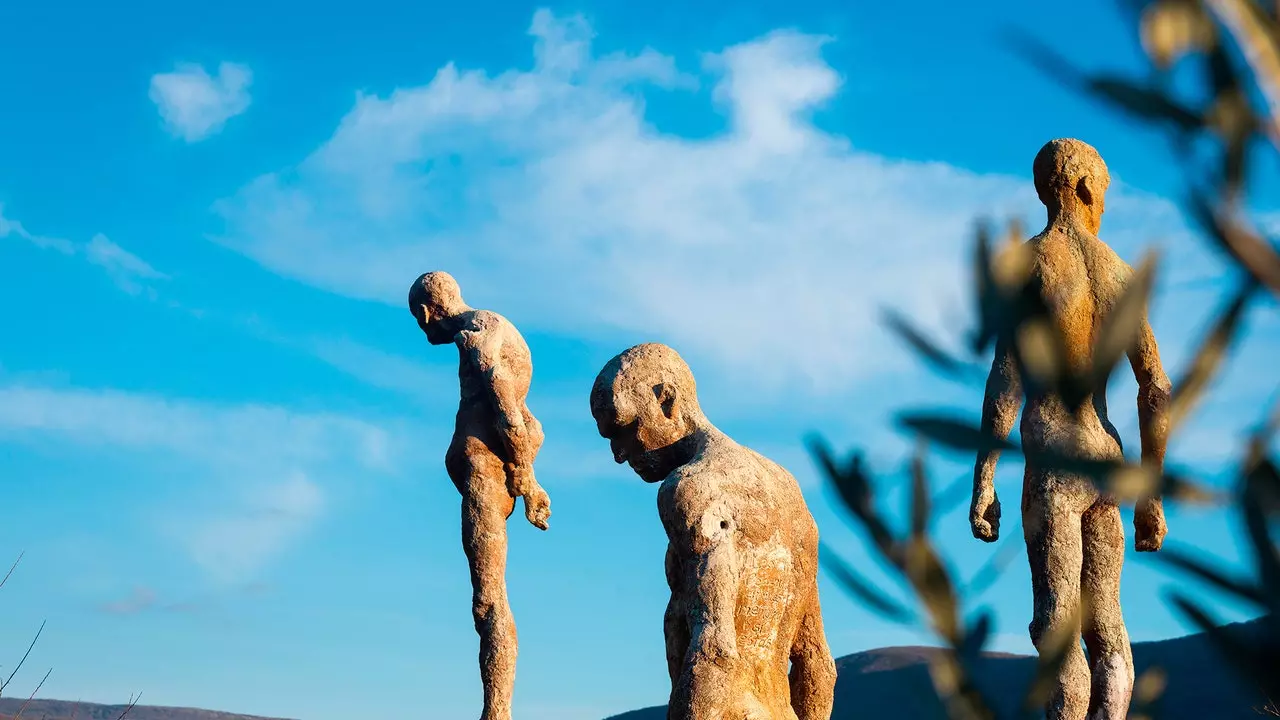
[(484, 350), (702, 689), (1000, 407), (1154, 395)]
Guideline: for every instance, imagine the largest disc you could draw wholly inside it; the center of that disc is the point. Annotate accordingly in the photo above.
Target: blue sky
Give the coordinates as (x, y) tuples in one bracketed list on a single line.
[(222, 434)]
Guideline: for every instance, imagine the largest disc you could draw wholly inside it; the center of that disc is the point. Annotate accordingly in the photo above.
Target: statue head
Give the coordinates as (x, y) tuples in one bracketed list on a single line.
[(434, 299), (1071, 180), (645, 403)]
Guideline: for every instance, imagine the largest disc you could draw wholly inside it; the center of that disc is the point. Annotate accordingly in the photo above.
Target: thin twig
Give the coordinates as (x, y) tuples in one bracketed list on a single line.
[(132, 702), (5, 684), (32, 695), (11, 569)]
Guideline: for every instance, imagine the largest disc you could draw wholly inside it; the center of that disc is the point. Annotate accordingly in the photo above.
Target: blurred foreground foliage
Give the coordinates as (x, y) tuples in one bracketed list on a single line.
[(1233, 48)]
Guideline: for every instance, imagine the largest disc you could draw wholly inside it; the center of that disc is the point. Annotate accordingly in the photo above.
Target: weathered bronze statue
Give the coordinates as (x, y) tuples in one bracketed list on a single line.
[(490, 462), (1074, 533), (742, 553)]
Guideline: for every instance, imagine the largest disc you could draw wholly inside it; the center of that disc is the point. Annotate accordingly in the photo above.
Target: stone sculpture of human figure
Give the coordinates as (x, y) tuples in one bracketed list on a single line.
[(742, 553), (1074, 534), (490, 462)]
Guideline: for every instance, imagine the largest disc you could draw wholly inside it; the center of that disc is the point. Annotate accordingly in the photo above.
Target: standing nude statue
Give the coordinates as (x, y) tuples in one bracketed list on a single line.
[(490, 462), (1074, 534), (742, 552)]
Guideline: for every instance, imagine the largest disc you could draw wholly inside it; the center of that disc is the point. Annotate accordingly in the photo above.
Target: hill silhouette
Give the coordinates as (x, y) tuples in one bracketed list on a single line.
[(894, 682), (66, 710)]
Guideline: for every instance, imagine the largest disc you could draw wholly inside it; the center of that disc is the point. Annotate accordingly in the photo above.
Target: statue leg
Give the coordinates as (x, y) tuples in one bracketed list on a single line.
[(484, 538), (813, 671), (1110, 656), (1052, 533)]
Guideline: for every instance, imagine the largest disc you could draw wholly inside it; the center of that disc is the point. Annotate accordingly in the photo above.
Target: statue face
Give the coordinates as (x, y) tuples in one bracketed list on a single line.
[(429, 322), (644, 436)]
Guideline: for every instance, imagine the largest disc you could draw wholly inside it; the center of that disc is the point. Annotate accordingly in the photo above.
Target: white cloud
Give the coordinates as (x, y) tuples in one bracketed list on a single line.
[(128, 271), (235, 544), (430, 384), (767, 249), (260, 434), (142, 598), (264, 461), (195, 104), (123, 266), (13, 228)]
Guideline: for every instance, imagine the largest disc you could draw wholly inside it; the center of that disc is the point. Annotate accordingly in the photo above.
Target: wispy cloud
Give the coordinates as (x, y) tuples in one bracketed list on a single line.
[(128, 271), (767, 249), (144, 599), (431, 384), (234, 544), (261, 435), (123, 266), (260, 465), (141, 599), (195, 104)]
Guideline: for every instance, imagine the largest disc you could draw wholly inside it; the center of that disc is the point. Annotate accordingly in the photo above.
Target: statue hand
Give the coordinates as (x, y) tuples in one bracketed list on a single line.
[(537, 507), (1149, 526), (984, 516)]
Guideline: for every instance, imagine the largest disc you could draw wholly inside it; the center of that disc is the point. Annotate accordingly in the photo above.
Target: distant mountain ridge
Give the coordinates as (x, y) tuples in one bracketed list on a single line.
[(888, 682), (66, 710), (894, 682)]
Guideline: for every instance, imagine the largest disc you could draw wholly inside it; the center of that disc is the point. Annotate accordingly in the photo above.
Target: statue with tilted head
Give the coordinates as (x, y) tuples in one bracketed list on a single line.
[(742, 552), (1074, 533), (490, 461)]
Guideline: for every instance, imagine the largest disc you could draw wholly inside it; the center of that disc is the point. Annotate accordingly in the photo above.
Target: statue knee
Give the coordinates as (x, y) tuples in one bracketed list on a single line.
[(487, 608), (482, 612), (814, 673), (1036, 629), (826, 670), (1045, 623)]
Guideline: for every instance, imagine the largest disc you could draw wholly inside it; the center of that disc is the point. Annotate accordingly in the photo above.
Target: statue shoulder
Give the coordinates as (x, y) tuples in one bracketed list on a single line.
[(481, 338)]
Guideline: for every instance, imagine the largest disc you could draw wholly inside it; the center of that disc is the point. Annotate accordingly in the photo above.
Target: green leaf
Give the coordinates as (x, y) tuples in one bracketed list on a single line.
[(1144, 103), (936, 357), (933, 586), (863, 590), (985, 578), (976, 638), (1119, 331), (1258, 486), (1254, 254), (1246, 659), (854, 488), (920, 509), (953, 433), (1208, 358), (1207, 573)]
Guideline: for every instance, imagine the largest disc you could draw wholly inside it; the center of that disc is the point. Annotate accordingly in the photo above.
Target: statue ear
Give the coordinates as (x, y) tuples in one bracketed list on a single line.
[(666, 397), (1083, 191)]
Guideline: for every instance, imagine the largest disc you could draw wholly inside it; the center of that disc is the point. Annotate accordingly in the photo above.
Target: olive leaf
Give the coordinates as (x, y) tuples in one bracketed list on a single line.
[(1208, 358), (1119, 331), (953, 433), (863, 589)]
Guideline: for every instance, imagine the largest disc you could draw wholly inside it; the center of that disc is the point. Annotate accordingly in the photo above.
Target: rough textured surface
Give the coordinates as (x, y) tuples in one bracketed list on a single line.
[(1074, 535), (742, 556), (894, 682), (490, 462)]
